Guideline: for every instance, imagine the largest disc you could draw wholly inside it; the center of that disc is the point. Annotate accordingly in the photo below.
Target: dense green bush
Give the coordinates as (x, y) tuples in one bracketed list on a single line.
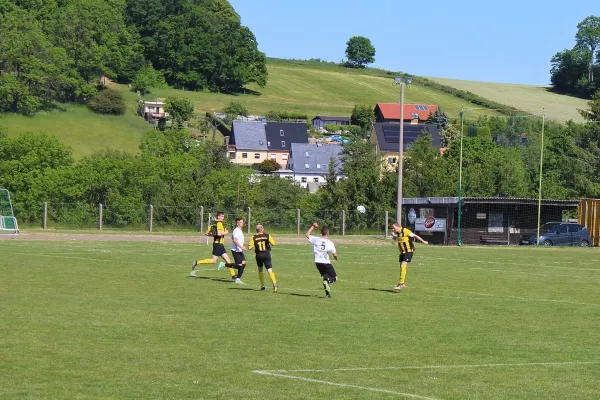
[(108, 101)]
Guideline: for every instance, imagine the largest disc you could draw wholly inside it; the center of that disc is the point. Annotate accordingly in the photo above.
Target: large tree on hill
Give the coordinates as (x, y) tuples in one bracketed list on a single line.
[(198, 44), (588, 38), (360, 51)]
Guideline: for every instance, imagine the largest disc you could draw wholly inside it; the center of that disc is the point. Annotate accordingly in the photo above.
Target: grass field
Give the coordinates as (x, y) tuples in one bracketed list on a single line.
[(123, 320), (524, 97)]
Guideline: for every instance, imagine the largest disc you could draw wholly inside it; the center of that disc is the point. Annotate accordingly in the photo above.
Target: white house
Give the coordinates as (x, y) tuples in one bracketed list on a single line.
[(309, 163)]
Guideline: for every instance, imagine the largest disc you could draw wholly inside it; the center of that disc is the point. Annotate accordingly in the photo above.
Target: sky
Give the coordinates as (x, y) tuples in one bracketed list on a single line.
[(510, 41)]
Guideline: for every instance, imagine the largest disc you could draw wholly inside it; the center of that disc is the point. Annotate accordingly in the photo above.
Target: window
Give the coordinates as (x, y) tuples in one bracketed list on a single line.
[(232, 156), (256, 156), (425, 212), (268, 143), (318, 166), (283, 143), (315, 179), (563, 228), (574, 228), (391, 160), (307, 166), (244, 155), (303, 180), (307, 154), (281, 132), (284, 157), (273, 156)]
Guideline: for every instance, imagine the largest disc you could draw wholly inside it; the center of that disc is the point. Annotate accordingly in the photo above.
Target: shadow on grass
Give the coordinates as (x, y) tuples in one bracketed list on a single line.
[(280, 293), (207, 278), (384, 290)]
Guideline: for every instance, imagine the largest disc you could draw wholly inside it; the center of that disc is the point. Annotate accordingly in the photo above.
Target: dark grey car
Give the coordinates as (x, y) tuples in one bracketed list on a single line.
[(562, 234)]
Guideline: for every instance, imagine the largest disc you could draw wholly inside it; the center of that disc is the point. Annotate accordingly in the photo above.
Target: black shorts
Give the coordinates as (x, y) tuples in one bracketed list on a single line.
[(326, 269), (263, 259), (238, 257), (406, 257), (219, 249)]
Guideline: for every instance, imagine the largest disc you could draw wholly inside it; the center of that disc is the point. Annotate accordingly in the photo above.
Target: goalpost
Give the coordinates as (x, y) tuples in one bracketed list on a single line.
[(8, 222)]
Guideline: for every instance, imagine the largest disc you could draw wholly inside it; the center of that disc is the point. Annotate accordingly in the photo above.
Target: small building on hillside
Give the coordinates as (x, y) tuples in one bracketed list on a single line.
[(386, 137), (414, 113), (320, 121), (310, 162), (152, 110)]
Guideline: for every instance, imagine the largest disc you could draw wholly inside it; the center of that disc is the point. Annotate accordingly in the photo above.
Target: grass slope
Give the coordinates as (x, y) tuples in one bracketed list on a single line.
[(524, 97), (319, 89), (122, 320)]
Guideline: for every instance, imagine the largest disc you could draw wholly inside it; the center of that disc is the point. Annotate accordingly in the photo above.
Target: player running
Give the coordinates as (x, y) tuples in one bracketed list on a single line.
[(322, 246), (262, 243)]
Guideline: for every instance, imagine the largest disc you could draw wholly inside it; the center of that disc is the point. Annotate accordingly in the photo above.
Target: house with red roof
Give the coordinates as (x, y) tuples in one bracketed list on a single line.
[(415, 113)]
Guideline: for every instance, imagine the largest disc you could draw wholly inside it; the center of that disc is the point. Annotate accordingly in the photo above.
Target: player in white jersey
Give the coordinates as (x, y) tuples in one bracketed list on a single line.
[(322, 246)]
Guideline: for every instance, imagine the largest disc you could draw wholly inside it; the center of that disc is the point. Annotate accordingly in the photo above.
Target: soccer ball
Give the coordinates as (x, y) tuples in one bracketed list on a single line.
[(361, 209)]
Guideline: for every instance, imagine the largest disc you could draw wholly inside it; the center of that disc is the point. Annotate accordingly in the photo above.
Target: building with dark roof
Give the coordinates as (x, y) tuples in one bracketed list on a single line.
[(320, 121), (310, 162), (248, 143), (280, 136), (386, 137)]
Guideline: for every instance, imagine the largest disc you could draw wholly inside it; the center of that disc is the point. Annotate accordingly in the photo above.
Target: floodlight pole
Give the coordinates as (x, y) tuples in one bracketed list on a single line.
[(540, 185), (460, 164), (400, 155)]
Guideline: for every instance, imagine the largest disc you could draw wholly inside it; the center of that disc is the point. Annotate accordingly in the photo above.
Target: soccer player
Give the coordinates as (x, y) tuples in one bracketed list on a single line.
[(405, 239), (262, 243), (218, 232), (237, 251), (322, 246)]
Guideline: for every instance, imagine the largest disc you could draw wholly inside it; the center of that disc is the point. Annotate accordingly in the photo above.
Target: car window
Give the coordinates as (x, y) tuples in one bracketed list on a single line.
[(548, 227), (563, 229), (574, 228)]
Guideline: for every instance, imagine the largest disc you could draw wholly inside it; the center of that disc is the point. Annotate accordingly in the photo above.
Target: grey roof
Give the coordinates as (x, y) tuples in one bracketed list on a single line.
[(317, 154), (293, 132), (331, 118), (249, 135), (388, 134)]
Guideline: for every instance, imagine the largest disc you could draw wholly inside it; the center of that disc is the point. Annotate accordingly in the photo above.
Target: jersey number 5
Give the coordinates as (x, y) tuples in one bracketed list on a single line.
[(323, 246)]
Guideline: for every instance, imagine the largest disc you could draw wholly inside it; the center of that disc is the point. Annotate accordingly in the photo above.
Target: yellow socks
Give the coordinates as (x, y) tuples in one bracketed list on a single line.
[(205, 261), (231, 271), (261, 278), (402, 273), (272, 276)]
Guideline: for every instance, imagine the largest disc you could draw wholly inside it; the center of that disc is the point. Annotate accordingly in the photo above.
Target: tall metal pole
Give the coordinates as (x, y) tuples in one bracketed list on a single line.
[(400, 155), (540, 185), (462, 119)]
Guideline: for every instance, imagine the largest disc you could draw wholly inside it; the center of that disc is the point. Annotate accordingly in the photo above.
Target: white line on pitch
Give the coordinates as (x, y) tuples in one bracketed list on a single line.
[(301, 378), (284, 371)]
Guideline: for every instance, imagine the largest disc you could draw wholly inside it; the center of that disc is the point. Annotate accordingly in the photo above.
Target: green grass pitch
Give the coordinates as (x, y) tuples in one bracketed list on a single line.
[(123, 320)]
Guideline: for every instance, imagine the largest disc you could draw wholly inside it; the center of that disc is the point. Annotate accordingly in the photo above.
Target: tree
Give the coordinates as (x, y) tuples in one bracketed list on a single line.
[(181, 110), (593, 111), (234, 109), (588, 37), (147, 78), (448, 135), (363, 116), (268, 166), (108, 101), (360, 51), (438, 118)]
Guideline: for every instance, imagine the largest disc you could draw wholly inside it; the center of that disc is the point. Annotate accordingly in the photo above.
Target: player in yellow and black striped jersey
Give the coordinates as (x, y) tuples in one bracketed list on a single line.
[(218, 232), (405, 239), (262, 243)]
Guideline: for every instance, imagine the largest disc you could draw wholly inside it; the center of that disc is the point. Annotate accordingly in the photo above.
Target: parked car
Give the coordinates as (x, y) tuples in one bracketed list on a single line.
[(560, 234)]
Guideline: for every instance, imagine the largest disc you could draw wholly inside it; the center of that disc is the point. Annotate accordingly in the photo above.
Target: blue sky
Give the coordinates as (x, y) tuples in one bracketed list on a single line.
[(512, 41)]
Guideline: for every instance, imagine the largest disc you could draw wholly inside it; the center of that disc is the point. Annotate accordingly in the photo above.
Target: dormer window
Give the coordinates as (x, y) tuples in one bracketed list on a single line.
[(283, 143), (307, 154), (307, 166), (281, 132), (318, 166)]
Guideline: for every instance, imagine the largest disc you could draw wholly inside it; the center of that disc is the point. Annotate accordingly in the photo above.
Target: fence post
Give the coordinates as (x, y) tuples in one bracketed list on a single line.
[(45, 215), (343, 222), (151, 217), (100, 216), (387, 216), (249, 220), (297, 221), (201, 218)]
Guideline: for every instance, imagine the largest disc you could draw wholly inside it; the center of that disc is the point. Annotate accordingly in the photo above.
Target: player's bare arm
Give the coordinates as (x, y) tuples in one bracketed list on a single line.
[(311, 229), (421, 239), (335, 256)]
